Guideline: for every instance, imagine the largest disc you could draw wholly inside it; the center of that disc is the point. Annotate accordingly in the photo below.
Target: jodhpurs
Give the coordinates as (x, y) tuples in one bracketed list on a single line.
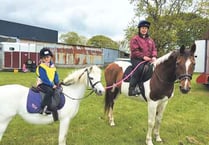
[(49, 92)]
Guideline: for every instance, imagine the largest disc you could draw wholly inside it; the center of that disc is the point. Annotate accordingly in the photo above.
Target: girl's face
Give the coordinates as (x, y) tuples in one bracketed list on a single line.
[(47, 59), (143, 30)]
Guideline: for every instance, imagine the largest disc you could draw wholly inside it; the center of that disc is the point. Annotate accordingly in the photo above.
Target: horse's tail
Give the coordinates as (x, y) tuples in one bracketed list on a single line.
[(113, 78)]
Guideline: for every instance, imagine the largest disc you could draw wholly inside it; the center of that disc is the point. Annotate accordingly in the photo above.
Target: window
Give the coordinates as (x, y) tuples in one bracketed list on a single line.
[(11, 48)]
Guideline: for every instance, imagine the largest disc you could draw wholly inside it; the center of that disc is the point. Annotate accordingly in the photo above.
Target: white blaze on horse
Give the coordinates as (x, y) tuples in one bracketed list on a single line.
[(176, 65), (13, 100)]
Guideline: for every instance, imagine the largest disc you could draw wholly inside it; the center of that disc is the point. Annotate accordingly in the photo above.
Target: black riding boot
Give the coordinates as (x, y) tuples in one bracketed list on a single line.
[(132, 91)]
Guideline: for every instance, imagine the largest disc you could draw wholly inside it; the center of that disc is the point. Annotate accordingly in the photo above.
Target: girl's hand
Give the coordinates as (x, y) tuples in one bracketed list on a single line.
[(54, 87)]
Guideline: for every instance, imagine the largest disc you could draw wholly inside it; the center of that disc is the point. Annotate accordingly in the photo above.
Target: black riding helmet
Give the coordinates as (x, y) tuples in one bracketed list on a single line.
[(144, 23), (45, 52)]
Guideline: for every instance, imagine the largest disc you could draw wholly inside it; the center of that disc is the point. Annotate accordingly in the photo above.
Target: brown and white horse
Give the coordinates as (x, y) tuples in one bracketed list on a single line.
[(176, 65)]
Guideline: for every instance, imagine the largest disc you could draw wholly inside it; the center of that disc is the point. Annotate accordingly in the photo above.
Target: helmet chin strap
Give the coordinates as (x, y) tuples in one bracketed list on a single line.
[(143, 35)]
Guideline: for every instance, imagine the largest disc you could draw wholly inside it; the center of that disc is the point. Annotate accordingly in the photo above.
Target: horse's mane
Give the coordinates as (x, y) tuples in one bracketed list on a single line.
[(163, 58), (78, 75)]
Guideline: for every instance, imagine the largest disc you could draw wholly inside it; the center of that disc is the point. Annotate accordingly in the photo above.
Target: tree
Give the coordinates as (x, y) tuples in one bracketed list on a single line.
[(173, 22), (73, 38), (190, 27), (103, 42)]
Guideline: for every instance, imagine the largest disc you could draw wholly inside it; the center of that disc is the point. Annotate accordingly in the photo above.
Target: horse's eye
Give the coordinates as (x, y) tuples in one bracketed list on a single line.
[(177, 63)]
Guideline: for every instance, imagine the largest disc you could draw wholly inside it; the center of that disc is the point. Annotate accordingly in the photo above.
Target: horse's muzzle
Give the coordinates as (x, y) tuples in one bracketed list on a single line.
[(100, 91), (184, 90)]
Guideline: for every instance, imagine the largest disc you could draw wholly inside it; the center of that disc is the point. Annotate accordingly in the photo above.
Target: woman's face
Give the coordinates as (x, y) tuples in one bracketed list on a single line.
[(143, 30)]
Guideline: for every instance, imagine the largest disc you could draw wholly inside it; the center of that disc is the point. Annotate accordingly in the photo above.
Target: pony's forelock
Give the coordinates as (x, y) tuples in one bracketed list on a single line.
[(96, 69)]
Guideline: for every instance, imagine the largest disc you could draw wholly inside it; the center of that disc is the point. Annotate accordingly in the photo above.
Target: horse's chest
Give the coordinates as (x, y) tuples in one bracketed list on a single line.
[(160, 92)]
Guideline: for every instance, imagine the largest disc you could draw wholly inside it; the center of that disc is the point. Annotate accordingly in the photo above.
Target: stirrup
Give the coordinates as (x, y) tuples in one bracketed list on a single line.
[(46, 111), (134, 93)]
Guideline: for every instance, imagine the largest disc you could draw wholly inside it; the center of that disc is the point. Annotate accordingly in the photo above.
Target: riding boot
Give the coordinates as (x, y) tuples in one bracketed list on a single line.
[(132, 91), (55, 115), (132, 88)]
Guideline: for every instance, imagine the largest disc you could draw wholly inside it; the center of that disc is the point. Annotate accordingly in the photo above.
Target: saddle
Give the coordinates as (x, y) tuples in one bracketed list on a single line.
[(35, 97), (146, 75)]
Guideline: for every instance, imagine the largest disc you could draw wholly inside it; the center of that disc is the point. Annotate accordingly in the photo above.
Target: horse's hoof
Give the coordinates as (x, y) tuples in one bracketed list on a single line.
[(149, 142), (158, 139), (112, 124)]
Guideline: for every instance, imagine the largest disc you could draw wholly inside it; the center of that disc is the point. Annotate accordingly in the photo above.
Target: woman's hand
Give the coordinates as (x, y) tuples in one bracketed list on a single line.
[(154, 59), (146, 58)]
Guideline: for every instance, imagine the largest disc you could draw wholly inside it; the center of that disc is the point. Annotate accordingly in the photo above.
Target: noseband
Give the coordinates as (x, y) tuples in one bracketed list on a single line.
[(184, 76)]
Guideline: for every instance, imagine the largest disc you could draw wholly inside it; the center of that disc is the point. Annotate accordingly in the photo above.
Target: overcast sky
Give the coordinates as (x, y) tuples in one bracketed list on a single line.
[(85, 17)]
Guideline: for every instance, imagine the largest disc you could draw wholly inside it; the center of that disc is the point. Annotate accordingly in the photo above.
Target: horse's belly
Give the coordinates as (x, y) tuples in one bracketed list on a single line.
[(13, 99), (124, 90)]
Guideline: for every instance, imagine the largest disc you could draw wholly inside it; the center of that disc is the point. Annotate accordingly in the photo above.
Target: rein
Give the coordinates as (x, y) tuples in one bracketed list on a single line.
[(119, 82), (89, 81), (78, 98)]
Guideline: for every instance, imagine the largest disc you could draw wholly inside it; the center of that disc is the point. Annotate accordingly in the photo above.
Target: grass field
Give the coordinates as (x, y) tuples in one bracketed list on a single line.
[(185, 121)]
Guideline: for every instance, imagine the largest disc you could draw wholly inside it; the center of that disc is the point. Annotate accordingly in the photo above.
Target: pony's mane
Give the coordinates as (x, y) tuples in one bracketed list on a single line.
[(163, 58), (77, 75)]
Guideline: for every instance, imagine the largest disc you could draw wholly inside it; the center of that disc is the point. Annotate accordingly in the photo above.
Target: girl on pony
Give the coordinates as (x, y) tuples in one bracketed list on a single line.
[(48, 78)]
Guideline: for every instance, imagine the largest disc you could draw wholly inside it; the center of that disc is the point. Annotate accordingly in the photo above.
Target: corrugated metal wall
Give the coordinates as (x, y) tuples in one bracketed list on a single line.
[(77, 55), (64, 55), (110, 55)]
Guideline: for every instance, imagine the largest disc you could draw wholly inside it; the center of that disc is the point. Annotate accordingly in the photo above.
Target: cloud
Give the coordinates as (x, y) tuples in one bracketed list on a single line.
[(87, 18)]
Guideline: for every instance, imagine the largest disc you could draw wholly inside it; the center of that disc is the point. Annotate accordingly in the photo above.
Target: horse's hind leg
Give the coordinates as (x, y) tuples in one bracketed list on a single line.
[(3, 124), (159, 115), (111, 117), (109, 104)]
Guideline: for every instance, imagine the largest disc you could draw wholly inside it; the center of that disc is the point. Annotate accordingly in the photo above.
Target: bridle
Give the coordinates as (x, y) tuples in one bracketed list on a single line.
[(89, 80), (184, 76), (178, 79)]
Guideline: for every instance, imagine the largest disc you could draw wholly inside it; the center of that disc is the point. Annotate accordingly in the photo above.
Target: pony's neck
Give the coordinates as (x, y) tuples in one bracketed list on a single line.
[(75, 90), (166, 69)]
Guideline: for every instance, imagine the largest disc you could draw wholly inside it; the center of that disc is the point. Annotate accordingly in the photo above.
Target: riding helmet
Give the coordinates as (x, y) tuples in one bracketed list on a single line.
[(45, 52), (144, 23)]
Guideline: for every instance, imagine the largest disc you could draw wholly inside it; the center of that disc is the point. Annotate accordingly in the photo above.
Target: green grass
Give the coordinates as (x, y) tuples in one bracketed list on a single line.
[(185, 121)]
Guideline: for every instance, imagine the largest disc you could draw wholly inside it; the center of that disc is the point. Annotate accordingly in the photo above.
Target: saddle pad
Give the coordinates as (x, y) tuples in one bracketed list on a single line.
[(34, 101)]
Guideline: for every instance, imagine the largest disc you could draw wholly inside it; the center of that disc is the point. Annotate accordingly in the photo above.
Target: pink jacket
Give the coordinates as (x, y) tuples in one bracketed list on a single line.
[(141, 47)]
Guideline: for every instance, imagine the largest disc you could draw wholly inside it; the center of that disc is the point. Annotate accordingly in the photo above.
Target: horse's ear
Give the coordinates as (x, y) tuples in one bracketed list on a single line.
[(182, 49), (193, 48), (90, 68)]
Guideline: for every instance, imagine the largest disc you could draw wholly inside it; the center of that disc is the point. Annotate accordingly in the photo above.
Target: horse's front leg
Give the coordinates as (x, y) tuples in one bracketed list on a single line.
[(63, 129), (111, 117), (152, 107), (4, 121), (159, 115)]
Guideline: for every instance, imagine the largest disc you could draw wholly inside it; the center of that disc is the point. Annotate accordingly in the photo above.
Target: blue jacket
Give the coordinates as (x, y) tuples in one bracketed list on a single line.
[(47, 74)]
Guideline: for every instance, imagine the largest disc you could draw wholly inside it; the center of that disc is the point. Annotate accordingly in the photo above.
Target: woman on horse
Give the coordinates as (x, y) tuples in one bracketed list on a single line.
[(142, 48), (48, 78)]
